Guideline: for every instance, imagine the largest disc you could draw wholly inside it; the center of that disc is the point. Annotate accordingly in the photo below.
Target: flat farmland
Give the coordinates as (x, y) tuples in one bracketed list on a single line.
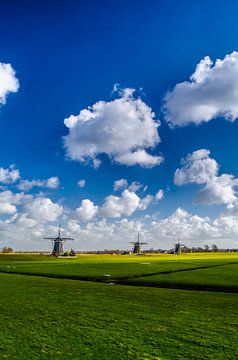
[(109, 267), (48, 312), (223, 278)]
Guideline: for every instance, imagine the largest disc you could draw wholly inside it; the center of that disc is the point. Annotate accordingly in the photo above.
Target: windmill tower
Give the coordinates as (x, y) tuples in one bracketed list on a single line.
[(137, 245), (58, 243), (178, 247)]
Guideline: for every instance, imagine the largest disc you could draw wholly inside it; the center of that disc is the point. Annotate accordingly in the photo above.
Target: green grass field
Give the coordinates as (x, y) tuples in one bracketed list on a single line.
[(48, 312), (95, 267)]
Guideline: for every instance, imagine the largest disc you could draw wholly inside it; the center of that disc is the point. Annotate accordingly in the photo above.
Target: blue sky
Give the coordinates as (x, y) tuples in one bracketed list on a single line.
[(67, 56)]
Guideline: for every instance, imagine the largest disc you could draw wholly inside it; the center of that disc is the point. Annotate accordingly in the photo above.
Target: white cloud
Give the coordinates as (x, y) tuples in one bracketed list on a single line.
[(120, 184), (21, 232), (15, 198), (199, 168), (124, 129), (232, 209), (139, 157), (10, 175), (211, 92), (135, 186), (9, 200), (23, 220), (126, 204), (103, 234), (51, 183), (96, 163), (159, 195), (196, 168), (25, 232), (123, 184), (145, 202), (43, 209), (81, 183), (87, 210), (219, 190), (190, 228), (115, 206), (193, 230), (7, 208), (8, 81)]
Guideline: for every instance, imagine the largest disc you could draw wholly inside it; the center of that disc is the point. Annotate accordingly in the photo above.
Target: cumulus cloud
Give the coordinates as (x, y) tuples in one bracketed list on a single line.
[(81, 183), (87, 210), (186, 226), (159, 195), (8, 81), (9, 200), (104, 234), (43, 209), (124, 129), (219, 190), (145, 202), (120, 184), (196, 168), (7, 208), (162, 233), (51, 183), (96, 163), (199, 168), (211, 91), (139, 157), (135, 186), (126, 204), (23, 220), (22, 231), (9, 175), (115, 206), (123, 184)]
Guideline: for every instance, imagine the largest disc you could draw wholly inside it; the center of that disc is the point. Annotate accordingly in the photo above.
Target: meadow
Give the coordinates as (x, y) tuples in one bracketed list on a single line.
[(119, 307)]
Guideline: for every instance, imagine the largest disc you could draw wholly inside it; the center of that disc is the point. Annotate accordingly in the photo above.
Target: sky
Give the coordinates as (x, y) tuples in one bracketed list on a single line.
[(118, 117)]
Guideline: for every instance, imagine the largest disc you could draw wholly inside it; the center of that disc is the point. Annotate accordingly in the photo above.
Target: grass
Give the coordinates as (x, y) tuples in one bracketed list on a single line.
[(95, 267), (223, 278), (49, 318), (64, 319)]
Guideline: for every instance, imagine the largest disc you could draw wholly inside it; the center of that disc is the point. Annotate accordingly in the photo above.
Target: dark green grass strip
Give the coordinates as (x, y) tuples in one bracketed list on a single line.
[(182, 286)]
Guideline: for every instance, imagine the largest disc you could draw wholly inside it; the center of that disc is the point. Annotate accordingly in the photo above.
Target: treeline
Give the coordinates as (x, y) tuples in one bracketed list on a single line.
[(184, 249), (7, 250)]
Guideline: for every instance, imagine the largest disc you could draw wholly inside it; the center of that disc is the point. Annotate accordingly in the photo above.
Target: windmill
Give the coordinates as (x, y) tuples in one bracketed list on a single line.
[(178, 247), (137, 245), (58, 243)]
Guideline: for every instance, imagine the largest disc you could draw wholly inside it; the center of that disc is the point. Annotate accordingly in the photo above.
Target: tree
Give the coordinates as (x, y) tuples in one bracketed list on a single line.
[(214, 248), (206, 247), (7, 250), (72, 253)]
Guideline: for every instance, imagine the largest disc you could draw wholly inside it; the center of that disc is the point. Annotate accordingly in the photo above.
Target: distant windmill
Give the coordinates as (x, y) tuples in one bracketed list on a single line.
[(178, 247), (137, 245), (58, 243)]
